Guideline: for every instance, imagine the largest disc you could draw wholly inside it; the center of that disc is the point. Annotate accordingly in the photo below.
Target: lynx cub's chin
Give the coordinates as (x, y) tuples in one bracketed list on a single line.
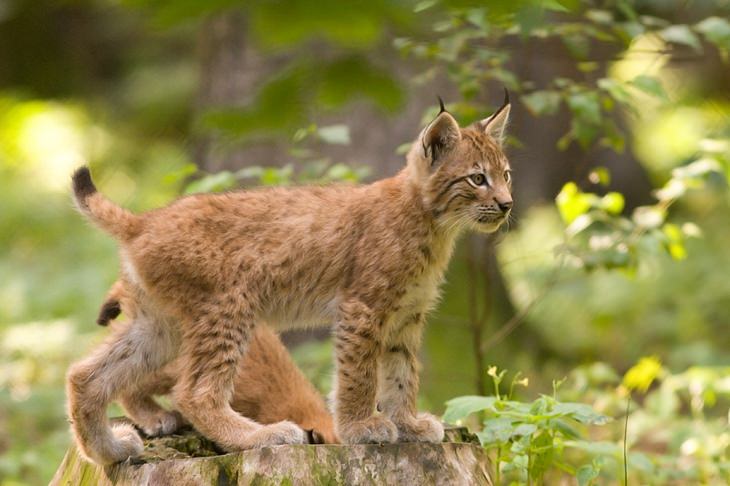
[(205, 269)]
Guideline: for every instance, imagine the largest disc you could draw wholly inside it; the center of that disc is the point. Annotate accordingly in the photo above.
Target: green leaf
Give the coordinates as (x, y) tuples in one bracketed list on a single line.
[(524, 429), (545, 102), (496, 430), (542, 455), (572, 202), (252, 172), (649, 85), (342, 172), (586, 474), (717, 31), (181, 174), (649, 217), (677, 251), (613, 203), (217, 182), (586, 106), (461, 407), (681, 34), (424, 5), (615, 89), (580, 412), (275, 176), (566, 429), (335, 134)]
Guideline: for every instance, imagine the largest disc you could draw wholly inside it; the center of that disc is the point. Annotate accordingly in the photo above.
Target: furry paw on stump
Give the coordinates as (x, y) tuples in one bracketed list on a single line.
[(191, 459)]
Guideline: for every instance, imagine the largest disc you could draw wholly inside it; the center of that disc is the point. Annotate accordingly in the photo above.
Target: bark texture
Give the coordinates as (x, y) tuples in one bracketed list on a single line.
[(189, 459)]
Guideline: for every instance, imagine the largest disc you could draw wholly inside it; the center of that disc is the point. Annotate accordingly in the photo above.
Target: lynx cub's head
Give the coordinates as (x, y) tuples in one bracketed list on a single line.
[(463, 173)]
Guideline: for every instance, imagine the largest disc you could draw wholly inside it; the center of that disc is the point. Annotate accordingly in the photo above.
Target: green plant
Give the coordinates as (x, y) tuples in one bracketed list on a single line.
[(528, 439), (307, 168)]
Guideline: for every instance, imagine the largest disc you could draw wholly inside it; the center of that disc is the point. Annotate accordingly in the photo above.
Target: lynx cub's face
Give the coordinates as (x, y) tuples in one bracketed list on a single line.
[(464, 171)]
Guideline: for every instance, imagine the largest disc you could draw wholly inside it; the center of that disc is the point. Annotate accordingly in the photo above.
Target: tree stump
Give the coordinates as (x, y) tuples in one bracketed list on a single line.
[(190, 459)]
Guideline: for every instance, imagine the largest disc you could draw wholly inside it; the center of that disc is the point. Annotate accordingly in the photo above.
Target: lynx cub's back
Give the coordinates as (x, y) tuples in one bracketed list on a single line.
[(369, 258)]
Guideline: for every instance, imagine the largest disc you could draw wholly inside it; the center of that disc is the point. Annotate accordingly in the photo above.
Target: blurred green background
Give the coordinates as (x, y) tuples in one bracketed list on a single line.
[(627, 99)]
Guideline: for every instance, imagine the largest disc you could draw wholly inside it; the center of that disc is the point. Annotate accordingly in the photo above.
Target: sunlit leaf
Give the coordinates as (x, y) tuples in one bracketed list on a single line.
[(681, 34), (613, 202), (580, 412), (586, 474), (217, 182), (586, 106), (717, 31), (335, 134), (677, 250), (572, 202), (461, 407), (545, 102), (649, 85), (648, 216), (615, 89)]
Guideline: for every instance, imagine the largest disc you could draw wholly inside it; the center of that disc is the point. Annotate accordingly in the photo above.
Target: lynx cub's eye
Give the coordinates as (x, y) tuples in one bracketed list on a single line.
[(478, 180), (508, 176)]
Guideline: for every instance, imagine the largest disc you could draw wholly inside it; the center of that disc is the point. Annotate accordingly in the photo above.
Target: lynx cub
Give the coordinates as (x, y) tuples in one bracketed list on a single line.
[(268, 386), (207, 268)]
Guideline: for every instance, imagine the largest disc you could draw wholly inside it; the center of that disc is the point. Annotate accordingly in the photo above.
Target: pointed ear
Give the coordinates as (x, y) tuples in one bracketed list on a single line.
[(495, 125), (440, 136)]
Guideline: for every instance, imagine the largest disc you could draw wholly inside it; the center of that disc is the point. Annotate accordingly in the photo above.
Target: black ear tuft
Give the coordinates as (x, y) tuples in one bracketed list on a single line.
[(441, 104)]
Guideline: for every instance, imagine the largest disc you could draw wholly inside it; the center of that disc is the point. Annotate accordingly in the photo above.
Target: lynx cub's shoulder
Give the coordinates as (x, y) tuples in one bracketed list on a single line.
[(205, 269)]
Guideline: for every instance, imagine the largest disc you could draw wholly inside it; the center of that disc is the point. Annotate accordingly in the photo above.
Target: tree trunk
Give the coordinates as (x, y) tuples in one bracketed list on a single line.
[(189, 459)]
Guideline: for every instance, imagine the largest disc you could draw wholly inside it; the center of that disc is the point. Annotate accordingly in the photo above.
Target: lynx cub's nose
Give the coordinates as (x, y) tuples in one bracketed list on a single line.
[(505, 205)]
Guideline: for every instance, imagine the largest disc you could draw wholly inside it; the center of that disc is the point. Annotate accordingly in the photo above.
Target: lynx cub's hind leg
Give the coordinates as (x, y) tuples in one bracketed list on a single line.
[(357, 350), (212, 348), (145, 412), (398, 382), (133, 350)]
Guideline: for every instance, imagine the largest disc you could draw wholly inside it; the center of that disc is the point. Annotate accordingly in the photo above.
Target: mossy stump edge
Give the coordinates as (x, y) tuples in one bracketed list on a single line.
[(189, 459)]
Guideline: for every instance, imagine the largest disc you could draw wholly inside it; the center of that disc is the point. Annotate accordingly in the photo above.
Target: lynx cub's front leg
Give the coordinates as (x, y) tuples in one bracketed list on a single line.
[(399, 385), (357, 350)]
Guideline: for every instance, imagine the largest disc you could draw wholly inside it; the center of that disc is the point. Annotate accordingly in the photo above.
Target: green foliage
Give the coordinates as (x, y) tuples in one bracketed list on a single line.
[(597, 235), (528, 439), (310, 167), (549, 438)]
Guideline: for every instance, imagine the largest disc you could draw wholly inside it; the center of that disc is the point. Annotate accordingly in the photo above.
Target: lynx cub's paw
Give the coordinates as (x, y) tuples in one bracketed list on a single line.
[(280, 433), (162, 423), (127, 444), (422, 428), (376, 429)]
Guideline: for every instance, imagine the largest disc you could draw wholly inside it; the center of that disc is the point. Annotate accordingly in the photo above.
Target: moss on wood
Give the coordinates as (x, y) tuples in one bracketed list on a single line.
[(189, 459)]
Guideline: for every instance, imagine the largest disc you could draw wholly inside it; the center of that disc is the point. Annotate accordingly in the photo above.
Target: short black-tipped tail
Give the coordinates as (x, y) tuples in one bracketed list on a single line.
[(113, 219), (109, 311), (83, 186)]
